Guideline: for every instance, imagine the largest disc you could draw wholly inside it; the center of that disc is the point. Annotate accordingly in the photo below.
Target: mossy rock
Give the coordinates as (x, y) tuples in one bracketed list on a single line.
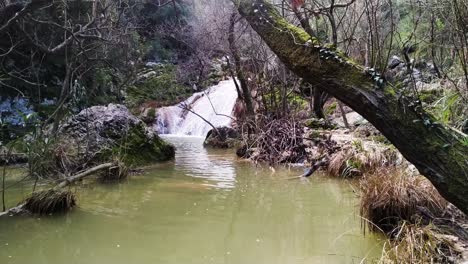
[(138, 148), (315, 123), (104, 133)]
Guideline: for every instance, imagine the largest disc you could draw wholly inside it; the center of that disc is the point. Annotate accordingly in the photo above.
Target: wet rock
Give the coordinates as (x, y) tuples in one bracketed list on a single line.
[(222, 137), (394, 62), (103, 131)]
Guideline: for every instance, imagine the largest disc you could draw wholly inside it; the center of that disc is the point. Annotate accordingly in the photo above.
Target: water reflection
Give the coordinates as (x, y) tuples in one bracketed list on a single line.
[(204, 207), (193, 160)]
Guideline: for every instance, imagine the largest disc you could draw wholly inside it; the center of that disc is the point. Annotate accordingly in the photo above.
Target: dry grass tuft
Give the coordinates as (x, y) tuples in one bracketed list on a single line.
[(50, 202), (356, 160), (416, 244), (412, 213), (389, 197)]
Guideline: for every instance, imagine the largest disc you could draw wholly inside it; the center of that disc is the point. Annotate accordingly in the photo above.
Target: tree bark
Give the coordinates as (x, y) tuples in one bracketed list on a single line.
[(320, 98), (246, 96), (436, 150), (343, 115)]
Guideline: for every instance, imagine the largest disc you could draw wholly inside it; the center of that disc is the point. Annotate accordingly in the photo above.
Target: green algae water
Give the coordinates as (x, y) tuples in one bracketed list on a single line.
[(206, 206)]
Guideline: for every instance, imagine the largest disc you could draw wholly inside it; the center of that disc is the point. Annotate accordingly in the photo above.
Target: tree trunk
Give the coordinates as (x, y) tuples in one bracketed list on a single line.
[(437, 151), (237, 61), (343, 115), (69, 180), (320, 98)]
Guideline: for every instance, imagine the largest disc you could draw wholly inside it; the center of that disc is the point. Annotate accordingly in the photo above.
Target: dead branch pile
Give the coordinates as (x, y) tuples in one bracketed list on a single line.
[(275, 141)]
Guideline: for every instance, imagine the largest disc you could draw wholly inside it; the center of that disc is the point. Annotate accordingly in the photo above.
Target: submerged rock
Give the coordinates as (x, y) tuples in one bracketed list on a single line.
[(222, 137), (100, 132)]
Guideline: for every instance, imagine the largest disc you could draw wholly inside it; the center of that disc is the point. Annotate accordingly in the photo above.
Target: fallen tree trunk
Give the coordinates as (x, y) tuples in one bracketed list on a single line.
[(437, 151), (69, 180)]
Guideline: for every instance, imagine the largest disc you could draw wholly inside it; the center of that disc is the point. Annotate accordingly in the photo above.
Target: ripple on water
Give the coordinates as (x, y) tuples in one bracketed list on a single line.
[(193, 160)]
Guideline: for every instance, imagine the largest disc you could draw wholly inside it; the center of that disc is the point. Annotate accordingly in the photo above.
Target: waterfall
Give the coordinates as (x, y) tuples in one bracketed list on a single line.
[(212, 104)]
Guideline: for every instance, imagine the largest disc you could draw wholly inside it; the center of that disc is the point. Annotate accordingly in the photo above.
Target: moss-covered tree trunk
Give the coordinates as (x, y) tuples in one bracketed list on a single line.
[(437, 151)]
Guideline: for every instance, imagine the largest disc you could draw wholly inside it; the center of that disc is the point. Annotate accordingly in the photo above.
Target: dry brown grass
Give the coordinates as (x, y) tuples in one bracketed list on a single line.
[(407, 208), (356, 161), (418, 244), (390, 196)]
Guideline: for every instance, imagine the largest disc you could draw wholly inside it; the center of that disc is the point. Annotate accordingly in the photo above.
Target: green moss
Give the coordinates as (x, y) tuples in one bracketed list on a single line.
[(151, 113), (315, 123), (136, 149), (302, 36)]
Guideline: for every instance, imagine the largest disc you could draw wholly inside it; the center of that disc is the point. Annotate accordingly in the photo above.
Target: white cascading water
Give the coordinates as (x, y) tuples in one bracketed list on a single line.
[(213, 104)]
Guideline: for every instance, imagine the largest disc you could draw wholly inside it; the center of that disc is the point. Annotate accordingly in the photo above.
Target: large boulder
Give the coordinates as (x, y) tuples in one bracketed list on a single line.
[(101, 132)]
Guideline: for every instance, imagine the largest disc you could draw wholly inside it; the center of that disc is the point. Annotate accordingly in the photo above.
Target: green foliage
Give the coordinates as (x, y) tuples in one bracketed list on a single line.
[(160, 49), (330, 109), (357, 144), (449, 109), (352, 168), (152, 15), (465, 141), (162, 87), (430, 96)]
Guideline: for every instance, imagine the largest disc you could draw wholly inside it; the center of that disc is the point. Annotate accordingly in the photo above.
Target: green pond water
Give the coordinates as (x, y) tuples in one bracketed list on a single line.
[(206, 206)]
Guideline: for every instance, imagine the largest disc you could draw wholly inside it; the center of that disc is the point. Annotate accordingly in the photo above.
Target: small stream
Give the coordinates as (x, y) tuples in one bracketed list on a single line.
[(206, 206)]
